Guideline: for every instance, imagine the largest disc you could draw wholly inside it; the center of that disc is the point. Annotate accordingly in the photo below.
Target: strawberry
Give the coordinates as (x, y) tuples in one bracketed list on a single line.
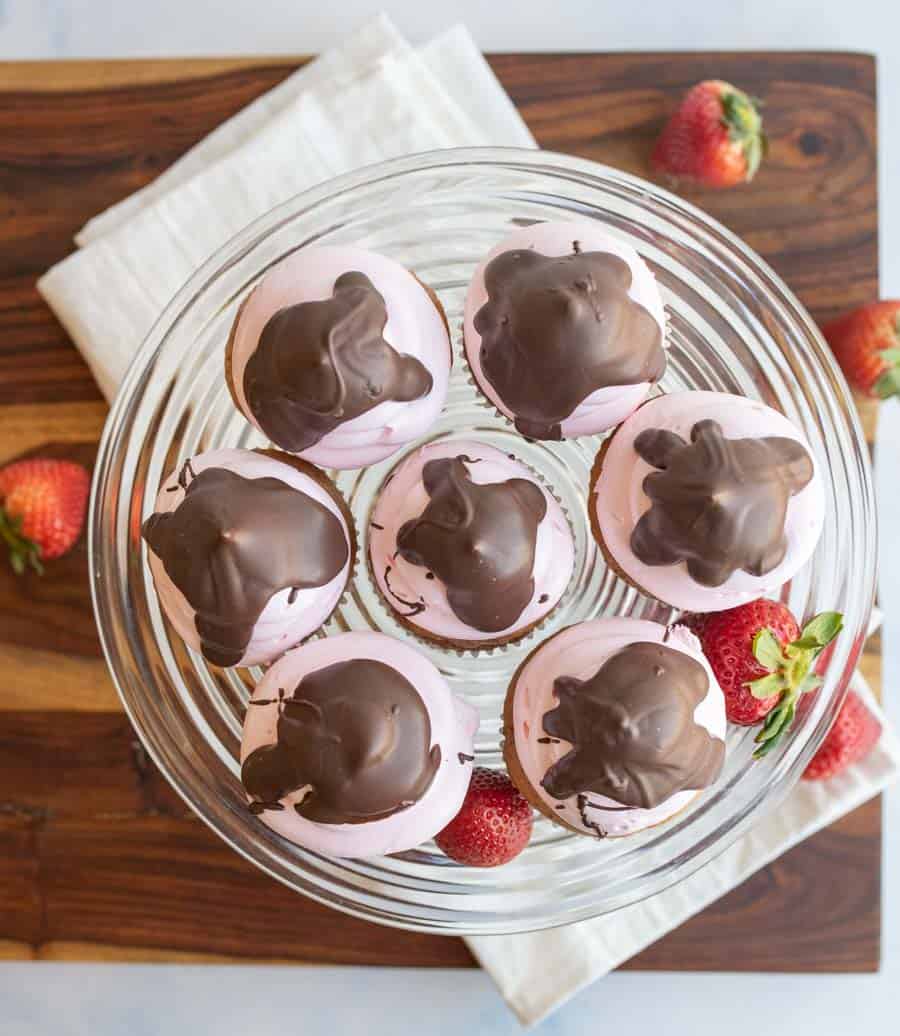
[(43, 504), (715, 137), (762, 661), (854, 734), (866, 344), (492, 827)]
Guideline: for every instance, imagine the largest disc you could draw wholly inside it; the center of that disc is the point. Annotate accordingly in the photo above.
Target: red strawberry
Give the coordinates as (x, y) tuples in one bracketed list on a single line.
[(43, 505), (854, 734), (866, 344), (492, 827), (762, 661), (715, 137)]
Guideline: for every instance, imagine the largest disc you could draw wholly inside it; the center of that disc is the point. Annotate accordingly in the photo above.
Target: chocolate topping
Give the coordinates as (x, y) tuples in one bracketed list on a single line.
[(554, 330), (357, 734), (319, 364), (633, 734), (479, 540), (717, 504), (234, 542)]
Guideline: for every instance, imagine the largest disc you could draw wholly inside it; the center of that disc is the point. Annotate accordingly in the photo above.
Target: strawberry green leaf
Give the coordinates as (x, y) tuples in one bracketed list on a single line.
[(767, 649), (740, 115), (22, 552), (820, 631), (888, 384), (890, 356), (777, 723), (754, 151), (766, 686), (811, 683)]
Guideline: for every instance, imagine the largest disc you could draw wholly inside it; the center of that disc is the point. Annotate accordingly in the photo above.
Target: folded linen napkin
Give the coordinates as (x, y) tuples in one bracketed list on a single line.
[(372, 98)]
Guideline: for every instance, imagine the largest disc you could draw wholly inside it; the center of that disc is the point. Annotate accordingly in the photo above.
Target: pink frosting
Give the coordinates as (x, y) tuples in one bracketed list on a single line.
[(579, 651), (453, 727), (619, 500), (414, 327), (606, 407), (281, 625), (403, 497)]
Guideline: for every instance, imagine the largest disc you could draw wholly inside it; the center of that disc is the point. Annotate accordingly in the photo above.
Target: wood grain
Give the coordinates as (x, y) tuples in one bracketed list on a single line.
[(99, 858)]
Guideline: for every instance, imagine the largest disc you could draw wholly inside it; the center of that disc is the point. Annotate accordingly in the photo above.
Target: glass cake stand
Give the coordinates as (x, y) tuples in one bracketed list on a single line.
[(733, 327)]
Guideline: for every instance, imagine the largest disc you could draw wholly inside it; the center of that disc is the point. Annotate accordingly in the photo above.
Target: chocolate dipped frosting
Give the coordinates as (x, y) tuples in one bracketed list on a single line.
[(357, 736), (234, 542), (717, 504), (556, 329), (632, 729), (479, 540), (320, 364)]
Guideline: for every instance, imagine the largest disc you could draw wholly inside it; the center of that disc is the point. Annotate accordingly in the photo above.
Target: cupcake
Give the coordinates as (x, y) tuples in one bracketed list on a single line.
[(340, 356), (249, 551), (466, 547), (564, 329), (706, 501), (614, 725), (354, 746)]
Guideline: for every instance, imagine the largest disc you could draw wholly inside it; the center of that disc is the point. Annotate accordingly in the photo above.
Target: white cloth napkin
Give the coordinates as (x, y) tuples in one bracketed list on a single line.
[(372, 98)]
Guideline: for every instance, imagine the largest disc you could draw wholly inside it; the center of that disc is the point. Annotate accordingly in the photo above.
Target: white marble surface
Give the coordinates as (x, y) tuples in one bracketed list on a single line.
[(183, 1001)]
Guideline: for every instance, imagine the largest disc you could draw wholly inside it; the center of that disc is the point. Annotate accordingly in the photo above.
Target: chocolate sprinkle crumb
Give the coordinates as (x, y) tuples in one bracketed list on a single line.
[(463, 758)]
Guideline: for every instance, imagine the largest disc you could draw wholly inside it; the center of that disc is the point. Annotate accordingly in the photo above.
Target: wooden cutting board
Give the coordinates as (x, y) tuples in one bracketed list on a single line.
[(99, 859)]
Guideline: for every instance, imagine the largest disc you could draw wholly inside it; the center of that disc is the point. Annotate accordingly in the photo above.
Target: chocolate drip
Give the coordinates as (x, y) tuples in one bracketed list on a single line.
[(717, 504), (358, 736), (554, 330), (633, 734), (479, 540), (234, 542), (319, 364)]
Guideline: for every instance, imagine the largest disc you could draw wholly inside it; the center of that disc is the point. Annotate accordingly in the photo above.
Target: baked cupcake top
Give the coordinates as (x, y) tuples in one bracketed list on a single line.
[(243, 548), (340, 356), (564, 329), (707, 500), (354, 746), (466, 545), (618, 723)]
